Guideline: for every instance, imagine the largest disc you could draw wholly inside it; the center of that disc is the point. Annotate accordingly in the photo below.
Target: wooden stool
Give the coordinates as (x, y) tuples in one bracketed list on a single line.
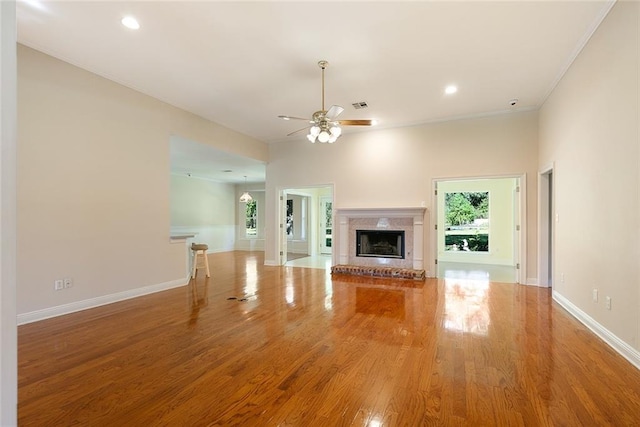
[(199, 249)]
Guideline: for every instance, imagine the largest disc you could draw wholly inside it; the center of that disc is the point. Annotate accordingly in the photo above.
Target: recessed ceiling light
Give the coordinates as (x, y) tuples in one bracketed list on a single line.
[(130, 22), (451, 89)]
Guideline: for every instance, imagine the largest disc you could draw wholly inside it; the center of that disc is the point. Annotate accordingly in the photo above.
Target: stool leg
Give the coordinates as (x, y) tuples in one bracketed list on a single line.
[(195, 265), (206, 262)]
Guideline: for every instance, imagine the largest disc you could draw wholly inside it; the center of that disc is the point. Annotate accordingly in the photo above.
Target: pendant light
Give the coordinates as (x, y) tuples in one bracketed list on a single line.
[(246, 197)]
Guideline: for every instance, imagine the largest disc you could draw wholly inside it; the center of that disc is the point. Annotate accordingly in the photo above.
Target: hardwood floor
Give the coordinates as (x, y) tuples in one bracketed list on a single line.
[(306, 349)]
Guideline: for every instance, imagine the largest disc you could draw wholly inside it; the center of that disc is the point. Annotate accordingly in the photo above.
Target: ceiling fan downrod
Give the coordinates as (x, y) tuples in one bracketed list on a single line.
[(323, 64), (324, 125)]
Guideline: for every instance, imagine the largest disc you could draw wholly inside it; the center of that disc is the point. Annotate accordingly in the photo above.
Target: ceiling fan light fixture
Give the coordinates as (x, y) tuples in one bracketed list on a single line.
[(323, 136), (323, 126)]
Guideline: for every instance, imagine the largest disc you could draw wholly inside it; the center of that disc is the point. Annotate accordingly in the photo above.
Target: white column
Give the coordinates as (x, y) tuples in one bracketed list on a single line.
[(418, 242), (343, 240)]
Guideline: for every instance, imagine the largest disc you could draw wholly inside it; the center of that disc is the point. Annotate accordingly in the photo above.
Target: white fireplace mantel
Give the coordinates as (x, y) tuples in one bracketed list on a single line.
[(416, 214)]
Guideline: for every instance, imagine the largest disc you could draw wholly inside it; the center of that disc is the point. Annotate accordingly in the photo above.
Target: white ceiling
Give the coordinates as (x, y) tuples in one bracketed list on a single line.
[(190, 158), (241, 64)]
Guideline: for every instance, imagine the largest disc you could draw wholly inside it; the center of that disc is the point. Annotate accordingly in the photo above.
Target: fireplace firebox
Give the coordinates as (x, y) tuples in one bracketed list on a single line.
[(380, 243)]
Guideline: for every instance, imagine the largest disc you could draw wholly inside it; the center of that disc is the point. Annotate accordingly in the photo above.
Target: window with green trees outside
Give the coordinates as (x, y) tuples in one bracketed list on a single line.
[(251, 219), (467, 222)]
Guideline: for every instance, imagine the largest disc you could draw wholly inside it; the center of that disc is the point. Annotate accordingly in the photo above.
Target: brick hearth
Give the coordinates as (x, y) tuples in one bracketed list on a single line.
[(349, 221), (359, 270)]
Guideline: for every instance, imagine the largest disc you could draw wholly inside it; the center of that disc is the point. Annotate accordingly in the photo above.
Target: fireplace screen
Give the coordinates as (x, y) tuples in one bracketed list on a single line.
[(380, 243)]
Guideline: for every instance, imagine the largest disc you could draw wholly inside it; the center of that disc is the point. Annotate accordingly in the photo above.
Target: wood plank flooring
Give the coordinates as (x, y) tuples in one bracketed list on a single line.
[(306, 349)]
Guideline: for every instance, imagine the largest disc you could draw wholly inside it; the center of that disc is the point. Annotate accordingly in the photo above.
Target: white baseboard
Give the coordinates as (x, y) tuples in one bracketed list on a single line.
[(72, 307), (271, 262), (624, 349)]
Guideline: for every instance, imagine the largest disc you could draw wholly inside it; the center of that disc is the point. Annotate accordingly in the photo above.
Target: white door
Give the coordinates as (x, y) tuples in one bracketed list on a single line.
[(325, 231)]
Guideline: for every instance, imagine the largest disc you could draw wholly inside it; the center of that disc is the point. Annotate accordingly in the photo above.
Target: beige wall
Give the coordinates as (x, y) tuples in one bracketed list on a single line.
[(93, 183), (8, 330), (199, 202), (206, 208), (395, 167), (589, 131)]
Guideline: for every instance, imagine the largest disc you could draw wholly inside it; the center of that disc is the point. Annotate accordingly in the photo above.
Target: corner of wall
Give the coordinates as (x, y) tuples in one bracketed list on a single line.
[(624, 349)]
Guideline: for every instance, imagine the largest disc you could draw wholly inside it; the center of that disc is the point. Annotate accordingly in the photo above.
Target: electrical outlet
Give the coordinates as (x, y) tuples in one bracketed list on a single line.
[(68, 282), (561, 277), (595, 295), (58, 284), (608, 303)]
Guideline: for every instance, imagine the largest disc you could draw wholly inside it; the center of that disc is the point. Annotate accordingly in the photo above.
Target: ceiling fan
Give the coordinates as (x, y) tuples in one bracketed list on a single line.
[(323, 125)]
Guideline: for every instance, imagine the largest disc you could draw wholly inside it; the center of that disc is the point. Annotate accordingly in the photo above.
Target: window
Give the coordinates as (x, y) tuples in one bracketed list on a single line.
[(467, 222), (328, 225), (251, 219), (289, 218), (296, 220)]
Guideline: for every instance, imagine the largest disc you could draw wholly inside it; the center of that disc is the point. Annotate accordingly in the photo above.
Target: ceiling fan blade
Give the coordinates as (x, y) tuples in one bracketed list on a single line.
[(355, 122), (297, 131), (334, 111), (294, 118)]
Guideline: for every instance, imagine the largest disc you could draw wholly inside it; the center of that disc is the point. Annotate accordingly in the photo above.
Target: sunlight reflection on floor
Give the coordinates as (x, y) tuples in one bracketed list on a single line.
[(493, 273), (467, 305), (466, 294), (318, 261)]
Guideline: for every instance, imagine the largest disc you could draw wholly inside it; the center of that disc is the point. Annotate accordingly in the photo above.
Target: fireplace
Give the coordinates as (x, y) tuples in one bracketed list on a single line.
[(407, 221), (380, 243)]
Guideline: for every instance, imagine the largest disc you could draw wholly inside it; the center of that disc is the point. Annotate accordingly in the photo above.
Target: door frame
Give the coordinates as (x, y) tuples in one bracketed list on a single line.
[(520, 233), (312, 211)]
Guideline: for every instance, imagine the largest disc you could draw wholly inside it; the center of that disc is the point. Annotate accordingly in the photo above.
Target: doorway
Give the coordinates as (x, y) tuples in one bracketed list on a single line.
[(546, 219), (306, 226), (491, 240)]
